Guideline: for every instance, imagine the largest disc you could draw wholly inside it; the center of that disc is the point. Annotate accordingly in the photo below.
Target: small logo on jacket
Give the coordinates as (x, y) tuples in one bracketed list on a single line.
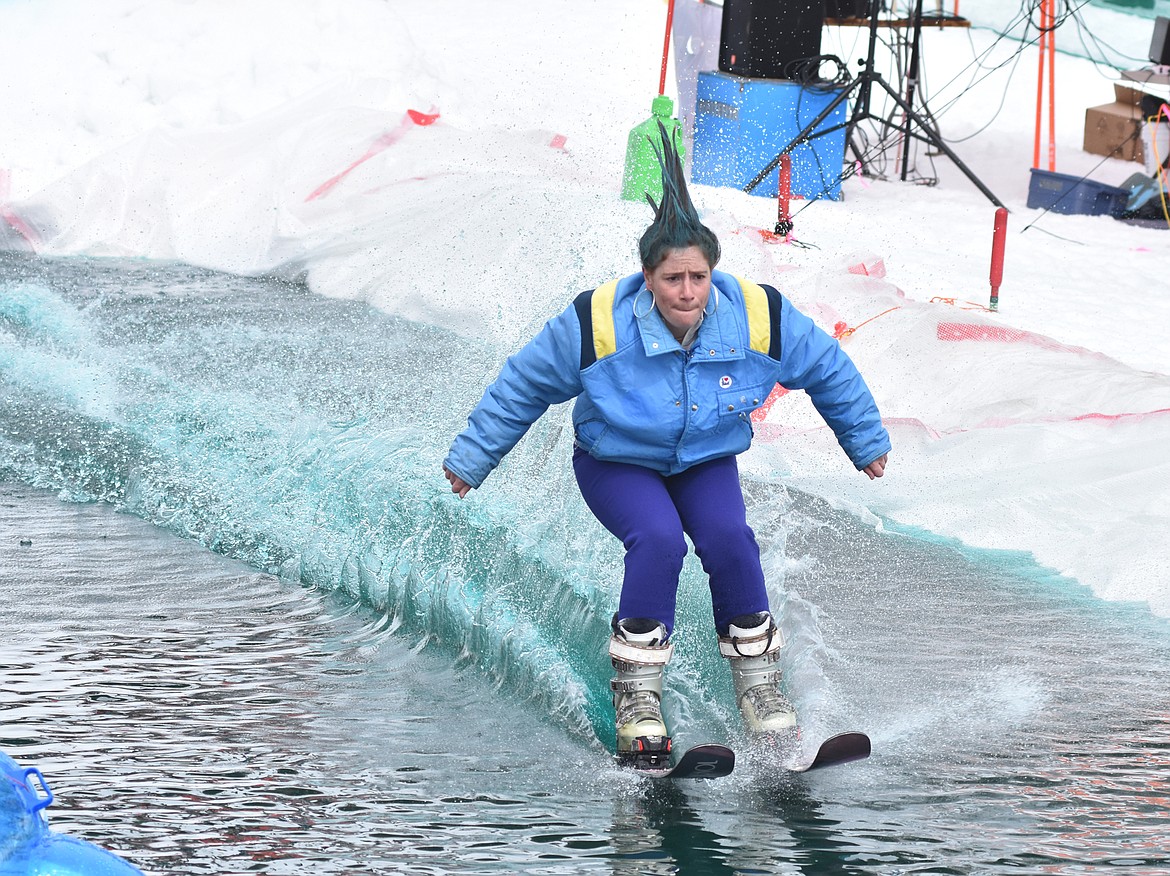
[(725, 381)]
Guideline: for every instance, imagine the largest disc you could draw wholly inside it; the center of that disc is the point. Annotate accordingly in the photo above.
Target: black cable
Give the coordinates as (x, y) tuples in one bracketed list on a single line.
[(930, 116), (1024, 17), (865, 160), (826, 186), (806, 72), (1083, 30), (873, 158), (976, 65), (1027, 12), (1057, 236), (999, 109), (1023, 44), (901, 49)]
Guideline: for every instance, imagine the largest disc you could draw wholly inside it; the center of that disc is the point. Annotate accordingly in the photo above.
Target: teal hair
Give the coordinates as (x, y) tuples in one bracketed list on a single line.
[(676, 223)]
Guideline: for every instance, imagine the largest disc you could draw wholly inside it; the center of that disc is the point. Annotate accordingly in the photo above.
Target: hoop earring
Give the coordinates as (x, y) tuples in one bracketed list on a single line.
[(649, 309), (715, 296)]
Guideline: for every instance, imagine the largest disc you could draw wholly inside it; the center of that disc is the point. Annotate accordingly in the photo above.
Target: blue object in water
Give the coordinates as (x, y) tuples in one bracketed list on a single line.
[(28, 847)]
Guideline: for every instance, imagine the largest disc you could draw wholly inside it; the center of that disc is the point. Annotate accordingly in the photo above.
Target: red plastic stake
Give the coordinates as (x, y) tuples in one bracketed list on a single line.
[(784, 224), (997, 243)]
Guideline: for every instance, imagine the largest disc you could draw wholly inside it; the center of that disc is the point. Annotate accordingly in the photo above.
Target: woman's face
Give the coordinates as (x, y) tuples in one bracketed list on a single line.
[(681, 285)]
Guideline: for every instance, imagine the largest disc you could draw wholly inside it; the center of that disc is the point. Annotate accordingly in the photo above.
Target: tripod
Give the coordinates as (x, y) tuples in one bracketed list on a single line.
[(863, 86)]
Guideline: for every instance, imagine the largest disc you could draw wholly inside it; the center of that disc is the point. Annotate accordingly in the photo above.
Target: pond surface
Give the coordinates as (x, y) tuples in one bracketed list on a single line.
[(246, 629)]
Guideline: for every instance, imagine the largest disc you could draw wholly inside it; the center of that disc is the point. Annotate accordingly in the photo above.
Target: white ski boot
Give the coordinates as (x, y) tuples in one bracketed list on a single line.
[(753, 645), (639, 654)]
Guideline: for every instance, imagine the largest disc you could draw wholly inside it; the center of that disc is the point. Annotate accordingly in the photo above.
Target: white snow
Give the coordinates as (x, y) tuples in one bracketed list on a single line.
[(273, 136)]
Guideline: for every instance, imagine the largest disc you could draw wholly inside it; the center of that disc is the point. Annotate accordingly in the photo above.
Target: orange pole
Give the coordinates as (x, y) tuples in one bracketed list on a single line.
[(666, 46), (1052, 85), (1040, 83)]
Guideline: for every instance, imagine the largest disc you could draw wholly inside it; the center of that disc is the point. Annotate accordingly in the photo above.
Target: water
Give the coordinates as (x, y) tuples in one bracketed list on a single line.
[(246, 630)]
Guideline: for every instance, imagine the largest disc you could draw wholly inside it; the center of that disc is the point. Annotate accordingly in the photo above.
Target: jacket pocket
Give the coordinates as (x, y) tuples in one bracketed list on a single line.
[(736, 406), (589, 434), (741, 401)]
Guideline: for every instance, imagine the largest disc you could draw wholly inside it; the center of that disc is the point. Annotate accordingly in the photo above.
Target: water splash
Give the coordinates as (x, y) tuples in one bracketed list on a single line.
[(303, 436)]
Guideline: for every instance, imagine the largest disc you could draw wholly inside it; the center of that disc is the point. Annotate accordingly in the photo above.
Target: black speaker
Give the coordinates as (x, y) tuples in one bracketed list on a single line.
[(764, 39), (1159, 45)]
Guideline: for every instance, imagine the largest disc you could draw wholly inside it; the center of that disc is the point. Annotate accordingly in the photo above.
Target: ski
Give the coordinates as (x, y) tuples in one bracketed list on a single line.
[(839, 749), (712, 760), (707, 761)]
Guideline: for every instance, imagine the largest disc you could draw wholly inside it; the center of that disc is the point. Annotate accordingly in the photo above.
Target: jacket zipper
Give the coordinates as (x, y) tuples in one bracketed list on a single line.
[(688, 355)]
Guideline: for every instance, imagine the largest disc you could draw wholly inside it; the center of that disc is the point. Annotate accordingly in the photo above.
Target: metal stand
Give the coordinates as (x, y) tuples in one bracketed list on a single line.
[(862, 86), (912, 82)]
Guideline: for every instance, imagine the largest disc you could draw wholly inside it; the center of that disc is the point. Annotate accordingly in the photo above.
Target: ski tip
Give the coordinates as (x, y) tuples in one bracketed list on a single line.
[(839, 749)]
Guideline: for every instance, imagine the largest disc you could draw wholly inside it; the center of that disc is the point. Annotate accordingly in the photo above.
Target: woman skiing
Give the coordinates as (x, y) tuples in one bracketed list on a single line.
[(666, 366)]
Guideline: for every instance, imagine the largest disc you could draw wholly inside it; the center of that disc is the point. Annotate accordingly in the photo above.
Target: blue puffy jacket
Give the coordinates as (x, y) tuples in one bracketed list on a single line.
[(643, 399)]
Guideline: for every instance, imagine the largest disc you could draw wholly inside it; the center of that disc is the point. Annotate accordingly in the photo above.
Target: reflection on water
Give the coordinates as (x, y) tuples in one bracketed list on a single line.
[(198, 717), (194, 715), (337, 669), (658, 831)]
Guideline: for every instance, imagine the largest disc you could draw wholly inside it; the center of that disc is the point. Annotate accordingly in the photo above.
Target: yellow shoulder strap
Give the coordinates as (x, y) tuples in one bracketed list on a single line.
[(601, 310), (759, 315)]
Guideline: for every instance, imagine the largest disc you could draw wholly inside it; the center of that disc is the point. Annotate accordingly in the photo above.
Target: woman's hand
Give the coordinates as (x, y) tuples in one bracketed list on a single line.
[(461, 488), (878, 467)]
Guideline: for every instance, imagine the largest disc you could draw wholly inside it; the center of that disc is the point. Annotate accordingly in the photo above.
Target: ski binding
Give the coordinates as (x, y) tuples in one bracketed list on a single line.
[(707, 761)]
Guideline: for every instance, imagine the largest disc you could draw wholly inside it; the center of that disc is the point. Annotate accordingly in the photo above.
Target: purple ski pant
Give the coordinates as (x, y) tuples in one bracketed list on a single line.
[(650, 512)]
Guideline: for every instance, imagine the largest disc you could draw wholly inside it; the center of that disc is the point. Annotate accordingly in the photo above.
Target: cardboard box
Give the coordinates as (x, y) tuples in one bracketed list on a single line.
[(1115, 129), (1154, 81), (1125, 94)]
